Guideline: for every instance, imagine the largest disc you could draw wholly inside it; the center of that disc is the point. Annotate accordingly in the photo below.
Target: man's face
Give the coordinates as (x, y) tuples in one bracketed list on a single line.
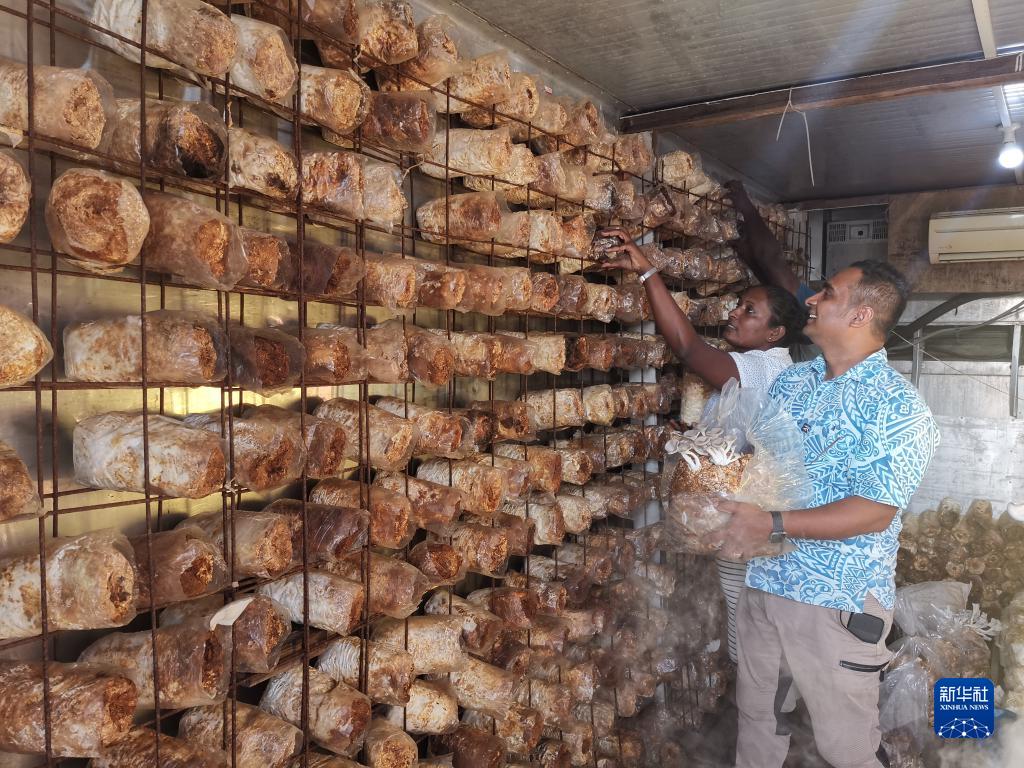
[(831, 308)]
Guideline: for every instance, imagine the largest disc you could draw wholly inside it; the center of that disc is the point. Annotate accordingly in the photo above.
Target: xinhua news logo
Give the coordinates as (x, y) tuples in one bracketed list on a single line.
[(965, 708)]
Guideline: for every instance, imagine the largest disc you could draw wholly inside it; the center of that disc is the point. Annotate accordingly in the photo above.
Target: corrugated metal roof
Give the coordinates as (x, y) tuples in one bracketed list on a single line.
[(923, 142), (652, 54), (1008, 22)]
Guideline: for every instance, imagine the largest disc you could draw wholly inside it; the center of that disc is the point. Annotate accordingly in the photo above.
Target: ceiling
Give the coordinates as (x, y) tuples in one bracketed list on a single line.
[(650, 54)]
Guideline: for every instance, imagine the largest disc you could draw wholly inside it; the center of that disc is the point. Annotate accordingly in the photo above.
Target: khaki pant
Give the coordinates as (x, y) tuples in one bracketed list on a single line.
[(782, 642)]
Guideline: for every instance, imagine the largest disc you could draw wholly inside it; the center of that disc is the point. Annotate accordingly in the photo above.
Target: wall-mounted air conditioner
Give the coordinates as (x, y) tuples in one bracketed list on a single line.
[(991, 235)]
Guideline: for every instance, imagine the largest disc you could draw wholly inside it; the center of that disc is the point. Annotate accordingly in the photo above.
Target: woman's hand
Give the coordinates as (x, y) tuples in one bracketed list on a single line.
[(627, 256)]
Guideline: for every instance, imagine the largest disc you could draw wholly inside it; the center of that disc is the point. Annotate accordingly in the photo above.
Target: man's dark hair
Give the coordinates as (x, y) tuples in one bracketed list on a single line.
[(883, 288), (787, 312)]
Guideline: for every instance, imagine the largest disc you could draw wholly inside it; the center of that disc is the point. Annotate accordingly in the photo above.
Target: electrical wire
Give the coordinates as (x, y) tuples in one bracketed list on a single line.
[(976, 380)]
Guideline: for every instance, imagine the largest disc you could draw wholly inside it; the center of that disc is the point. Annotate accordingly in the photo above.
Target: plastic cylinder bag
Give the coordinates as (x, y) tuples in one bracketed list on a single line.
[(98, 220), (92, 708), (15, 191), (334, 532), (386, 30), (517, 472), (258, 739), (335, 603), (324, 440), (431, 357), (390, 442), (183, 462), (18, 494), (189, 658), (437, 58), (261, 540), (602, 302), (474, 216), (387, 353), (329, 270), (480, 627), (551, 119), (265, 64), (334, 355), (484, 687), (186, 563), (182, 347), (384, 203), (388, 746), (402, 121), (463, 151), (190, 33), (261, 164), (255, 636), (72, 105), (90, 584), (485, 293), (396, 587), (431, 709), (485, 81), (336, 99), (557, 177), (390, 672), (433, 642), (572, 296), (484, 548), (483, 488), (513, 419), (264, 360), (338, 714), (183, 137), (440, 563), (390, 513), (192, 242), (268, 257), (556, 409), (516, 110), (334, 181), (774, 477), (138, 748), (437, 285), (440, 433), (521, 171), (432, 503), (265, 453)]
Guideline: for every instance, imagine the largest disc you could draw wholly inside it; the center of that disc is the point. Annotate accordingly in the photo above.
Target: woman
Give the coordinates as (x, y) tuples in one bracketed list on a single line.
[(767, 320)]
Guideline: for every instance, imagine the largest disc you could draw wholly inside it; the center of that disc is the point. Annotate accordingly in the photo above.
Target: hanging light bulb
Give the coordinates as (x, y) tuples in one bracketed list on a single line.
[(1011, 155)]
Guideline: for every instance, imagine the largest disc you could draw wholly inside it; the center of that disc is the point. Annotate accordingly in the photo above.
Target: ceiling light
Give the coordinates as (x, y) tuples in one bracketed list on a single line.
[(1011, 155)]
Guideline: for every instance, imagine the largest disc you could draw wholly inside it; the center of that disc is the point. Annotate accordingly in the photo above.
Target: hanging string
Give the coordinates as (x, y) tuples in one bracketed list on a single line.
[(807, 131)]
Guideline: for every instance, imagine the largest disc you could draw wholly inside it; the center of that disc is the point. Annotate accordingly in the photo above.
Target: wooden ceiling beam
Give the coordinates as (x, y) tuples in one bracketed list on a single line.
[(940, 78)]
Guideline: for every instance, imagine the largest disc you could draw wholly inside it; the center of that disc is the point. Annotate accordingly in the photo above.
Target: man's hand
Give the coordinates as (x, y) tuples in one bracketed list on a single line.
[(747, 532), (628, 255)]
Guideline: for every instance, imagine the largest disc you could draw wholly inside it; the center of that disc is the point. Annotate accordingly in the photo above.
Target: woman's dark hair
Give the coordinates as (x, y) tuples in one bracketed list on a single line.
[(787, 312)]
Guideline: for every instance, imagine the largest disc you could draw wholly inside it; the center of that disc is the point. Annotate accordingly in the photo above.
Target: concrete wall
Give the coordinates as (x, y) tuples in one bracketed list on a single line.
[(982, 450)]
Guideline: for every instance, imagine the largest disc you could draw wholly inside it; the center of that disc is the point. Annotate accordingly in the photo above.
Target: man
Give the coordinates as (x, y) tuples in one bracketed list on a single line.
[(818, 616)]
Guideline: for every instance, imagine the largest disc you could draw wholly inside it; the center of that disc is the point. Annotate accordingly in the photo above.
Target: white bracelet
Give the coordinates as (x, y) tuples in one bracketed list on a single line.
[(648, 274)]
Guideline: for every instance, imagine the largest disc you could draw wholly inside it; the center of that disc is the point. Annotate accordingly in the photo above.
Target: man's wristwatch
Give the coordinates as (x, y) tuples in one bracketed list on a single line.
[(648, 274), (778, 534)]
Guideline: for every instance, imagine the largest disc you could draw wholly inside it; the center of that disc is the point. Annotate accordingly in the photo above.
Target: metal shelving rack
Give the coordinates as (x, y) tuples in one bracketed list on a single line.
[(54, 402)]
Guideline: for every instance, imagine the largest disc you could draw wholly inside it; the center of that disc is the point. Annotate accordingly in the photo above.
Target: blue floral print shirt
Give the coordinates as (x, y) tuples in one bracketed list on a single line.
[(867, 433)]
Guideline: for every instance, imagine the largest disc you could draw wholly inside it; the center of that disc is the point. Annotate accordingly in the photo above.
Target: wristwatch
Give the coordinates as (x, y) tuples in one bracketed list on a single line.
[(778, 534), (648, 274)]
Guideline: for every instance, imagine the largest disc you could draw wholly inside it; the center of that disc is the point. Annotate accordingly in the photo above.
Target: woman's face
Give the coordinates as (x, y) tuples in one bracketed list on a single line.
[(749, 324)]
